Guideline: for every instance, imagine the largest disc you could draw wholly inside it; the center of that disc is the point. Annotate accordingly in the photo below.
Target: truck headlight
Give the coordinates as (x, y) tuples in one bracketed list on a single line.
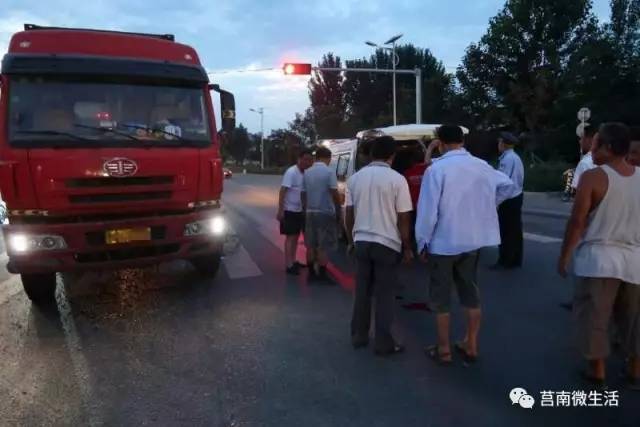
[(23, 243), (215, 226)]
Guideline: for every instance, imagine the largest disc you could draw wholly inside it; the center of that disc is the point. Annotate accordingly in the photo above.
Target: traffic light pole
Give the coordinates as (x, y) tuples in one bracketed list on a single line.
[(416, 72)]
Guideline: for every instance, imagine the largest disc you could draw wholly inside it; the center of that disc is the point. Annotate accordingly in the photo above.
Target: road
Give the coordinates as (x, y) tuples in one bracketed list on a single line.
[(254, 347)]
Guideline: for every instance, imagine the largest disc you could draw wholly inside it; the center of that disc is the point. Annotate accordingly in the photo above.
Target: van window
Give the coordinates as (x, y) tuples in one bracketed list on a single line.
[(342, 168)]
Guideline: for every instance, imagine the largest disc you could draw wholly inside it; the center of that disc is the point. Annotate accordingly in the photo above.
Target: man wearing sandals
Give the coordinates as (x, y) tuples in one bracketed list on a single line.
[(457, 215), (604, 239)]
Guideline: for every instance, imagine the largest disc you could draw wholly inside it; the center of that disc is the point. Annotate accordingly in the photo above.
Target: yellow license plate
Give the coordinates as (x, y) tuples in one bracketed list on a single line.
[(127, 235)]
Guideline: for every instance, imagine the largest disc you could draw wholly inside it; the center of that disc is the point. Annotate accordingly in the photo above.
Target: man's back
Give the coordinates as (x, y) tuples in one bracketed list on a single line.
[(378, 194), (511, 165), (319, 180), (457, 206)]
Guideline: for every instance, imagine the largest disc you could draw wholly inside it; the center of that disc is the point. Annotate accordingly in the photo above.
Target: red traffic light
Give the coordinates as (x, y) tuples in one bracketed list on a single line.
[(296, 69)]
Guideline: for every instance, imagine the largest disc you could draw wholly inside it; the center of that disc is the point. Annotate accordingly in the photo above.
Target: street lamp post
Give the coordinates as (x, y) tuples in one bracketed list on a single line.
[(261, 112), (395, 60)]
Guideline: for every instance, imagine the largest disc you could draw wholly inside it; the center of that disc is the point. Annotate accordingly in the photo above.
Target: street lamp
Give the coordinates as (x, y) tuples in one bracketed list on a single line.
[(395, 60), (261, 112)]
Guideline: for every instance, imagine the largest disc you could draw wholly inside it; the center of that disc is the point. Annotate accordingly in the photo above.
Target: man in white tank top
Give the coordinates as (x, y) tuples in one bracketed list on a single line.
[(603, 237)]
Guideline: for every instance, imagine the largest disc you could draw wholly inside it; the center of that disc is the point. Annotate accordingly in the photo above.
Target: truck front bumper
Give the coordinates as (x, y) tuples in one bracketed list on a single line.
[(86, 247)]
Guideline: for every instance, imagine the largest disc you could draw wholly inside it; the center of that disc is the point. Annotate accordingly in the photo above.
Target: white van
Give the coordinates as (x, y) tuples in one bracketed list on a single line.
[(349, 155)]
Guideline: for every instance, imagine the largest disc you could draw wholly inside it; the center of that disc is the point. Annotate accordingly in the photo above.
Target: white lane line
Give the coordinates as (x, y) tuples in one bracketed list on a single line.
[(240, 265), (541, 238), (78, 360)]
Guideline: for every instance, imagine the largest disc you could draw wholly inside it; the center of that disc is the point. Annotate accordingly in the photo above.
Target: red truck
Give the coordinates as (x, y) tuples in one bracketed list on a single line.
[(109, 154)]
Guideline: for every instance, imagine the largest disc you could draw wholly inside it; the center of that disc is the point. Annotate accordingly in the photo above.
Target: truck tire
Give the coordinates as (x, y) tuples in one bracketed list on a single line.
[(40, 288), (207, 265)]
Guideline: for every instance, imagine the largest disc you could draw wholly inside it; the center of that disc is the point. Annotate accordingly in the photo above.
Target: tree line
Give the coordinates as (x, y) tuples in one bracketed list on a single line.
[(538, 62)]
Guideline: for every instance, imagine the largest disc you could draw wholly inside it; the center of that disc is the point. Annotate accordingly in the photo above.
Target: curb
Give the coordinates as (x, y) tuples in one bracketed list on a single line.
[(546, 213)]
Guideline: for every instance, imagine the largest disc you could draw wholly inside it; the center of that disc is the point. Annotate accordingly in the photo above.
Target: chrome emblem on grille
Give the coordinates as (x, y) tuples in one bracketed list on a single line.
[(120, 167)]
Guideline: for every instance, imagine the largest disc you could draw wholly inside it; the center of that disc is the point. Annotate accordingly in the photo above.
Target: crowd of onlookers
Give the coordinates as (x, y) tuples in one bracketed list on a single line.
[(444, 211)]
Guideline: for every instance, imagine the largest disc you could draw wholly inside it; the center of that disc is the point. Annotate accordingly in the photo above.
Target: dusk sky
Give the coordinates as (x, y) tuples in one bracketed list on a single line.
[(237, 35)]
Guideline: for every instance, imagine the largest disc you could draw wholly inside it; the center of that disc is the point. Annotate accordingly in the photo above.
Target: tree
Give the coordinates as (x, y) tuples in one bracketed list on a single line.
[(369, 97), (304, 127), (239, 144), (342, 104), (516, 67), (327, 99)]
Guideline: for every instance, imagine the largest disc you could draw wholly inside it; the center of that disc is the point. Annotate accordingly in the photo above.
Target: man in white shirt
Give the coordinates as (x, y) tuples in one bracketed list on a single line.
[(457, 215), (510, 211), (586, 163), (378, 220), (291, 210)]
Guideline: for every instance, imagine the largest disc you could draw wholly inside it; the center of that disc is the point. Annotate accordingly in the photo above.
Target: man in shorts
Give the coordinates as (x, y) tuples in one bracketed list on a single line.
[(320, 194), (291, 210), (603, 240), (457, 215)]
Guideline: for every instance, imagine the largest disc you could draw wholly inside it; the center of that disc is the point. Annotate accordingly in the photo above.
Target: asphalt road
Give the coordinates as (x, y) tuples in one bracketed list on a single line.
[(254, 347)]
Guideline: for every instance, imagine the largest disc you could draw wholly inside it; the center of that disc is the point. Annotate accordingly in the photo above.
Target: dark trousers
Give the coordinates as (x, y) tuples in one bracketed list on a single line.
[(376, 275), (510, 217)]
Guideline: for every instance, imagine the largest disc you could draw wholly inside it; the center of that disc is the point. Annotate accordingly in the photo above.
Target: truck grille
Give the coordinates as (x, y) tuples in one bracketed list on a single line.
[(118, 182), (124, 254), (120, 197)]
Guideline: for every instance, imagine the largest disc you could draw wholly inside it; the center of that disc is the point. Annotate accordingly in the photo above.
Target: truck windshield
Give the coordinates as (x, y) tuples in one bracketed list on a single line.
[(45, 112)]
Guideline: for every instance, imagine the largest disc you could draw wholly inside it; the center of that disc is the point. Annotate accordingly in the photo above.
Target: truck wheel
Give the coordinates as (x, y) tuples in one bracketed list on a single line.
[(207, 265), (40, 288)]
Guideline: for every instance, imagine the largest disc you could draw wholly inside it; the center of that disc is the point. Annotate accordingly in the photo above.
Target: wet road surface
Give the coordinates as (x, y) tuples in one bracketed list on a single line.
[(253, 347)]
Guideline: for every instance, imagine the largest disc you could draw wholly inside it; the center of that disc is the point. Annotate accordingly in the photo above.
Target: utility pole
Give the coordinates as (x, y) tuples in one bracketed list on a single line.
[(261, 112)]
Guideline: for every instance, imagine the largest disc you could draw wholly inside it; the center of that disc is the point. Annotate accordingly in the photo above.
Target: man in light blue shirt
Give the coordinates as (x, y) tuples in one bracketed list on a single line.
[(320, 196), (510, 212), (457, 215)]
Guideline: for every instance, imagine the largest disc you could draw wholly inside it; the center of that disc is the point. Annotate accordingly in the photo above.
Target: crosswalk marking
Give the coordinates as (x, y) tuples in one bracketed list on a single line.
[(240, 265)]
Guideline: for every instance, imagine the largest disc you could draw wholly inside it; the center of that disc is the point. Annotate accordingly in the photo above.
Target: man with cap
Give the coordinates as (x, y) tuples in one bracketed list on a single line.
[(510, 211)]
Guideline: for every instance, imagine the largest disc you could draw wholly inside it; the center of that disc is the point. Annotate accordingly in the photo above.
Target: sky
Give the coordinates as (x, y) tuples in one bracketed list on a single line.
[(235, 37)]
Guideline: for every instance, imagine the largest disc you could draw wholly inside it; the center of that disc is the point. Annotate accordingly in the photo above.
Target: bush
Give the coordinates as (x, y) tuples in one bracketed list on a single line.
[(545, 176)]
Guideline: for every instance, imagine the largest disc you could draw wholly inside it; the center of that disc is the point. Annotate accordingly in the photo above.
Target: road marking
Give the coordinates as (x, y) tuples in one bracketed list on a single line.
[(78, 360), (240, 265), (541, 238)]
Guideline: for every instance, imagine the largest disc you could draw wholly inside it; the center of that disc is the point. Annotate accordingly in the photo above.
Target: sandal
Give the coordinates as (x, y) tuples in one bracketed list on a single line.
[(468, 358), (442, 359)]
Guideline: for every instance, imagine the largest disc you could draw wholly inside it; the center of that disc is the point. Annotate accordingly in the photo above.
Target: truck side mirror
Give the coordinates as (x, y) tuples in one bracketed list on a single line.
[(228, 107)]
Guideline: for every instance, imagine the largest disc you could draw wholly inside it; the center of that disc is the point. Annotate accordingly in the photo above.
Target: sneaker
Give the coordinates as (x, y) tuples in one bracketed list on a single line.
[(300, 265)]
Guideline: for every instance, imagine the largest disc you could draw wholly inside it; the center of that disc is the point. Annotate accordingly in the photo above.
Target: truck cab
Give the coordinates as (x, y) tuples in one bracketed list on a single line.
[(109, 154)]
